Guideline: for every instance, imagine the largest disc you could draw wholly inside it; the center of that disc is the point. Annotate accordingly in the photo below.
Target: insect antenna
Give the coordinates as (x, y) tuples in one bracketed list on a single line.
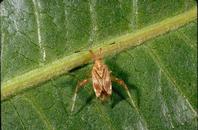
[(96, 56), (92, 54)]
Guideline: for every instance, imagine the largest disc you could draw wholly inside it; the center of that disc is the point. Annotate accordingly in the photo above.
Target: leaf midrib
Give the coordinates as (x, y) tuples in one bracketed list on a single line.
[(109, 47)]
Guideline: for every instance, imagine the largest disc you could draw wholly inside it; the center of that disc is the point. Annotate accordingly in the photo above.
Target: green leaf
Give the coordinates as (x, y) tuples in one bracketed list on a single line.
[(151, 45)]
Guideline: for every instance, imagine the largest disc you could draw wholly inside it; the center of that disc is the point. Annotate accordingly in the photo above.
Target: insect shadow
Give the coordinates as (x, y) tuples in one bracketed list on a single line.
[(87, 102), (119, 93)]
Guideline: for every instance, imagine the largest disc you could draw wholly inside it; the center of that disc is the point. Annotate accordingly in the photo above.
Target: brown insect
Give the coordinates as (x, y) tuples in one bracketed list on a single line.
[(101, 79)]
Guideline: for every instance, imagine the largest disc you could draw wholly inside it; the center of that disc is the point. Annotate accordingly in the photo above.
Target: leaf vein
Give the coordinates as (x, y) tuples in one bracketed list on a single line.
[(135, 14), (37, 16), (58, 67), (94, 26), (20, 119), (39, 111), (186, 40), (159, 63)]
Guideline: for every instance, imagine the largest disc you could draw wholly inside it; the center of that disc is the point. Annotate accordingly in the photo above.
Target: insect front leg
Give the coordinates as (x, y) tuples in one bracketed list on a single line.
[(79, 85), (122, 83)]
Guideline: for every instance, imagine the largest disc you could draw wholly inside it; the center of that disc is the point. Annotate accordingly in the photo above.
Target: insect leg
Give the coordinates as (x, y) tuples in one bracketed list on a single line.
[(122, 83), (79, 85)]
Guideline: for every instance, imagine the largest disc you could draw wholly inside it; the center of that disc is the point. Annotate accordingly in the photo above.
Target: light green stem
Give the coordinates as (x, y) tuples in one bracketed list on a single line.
[(112, 46)]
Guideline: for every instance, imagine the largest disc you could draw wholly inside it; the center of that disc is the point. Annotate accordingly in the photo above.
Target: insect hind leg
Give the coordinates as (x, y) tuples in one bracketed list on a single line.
[(122, 83), (79, 85)]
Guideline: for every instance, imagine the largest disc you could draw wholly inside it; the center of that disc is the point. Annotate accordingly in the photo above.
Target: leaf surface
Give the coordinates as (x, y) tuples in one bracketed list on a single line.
[(161, 72)]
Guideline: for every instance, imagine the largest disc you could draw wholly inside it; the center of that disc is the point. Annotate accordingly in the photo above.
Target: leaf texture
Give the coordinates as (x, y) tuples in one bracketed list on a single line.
[(161, 73)]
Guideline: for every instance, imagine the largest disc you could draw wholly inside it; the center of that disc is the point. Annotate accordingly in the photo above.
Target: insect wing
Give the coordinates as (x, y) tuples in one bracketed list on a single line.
[(97, 83), (107, 81)]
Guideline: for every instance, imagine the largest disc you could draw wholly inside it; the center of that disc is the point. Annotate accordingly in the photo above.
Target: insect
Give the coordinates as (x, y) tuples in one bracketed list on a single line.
[(101, 80)]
